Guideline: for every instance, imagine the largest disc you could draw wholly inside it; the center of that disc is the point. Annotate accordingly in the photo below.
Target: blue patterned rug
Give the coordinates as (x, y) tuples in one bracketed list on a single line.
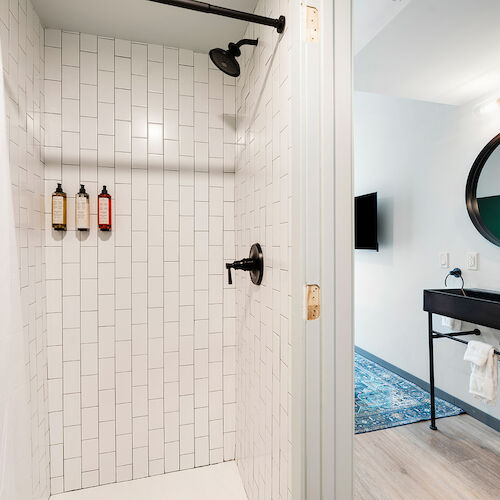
[(384, 399)]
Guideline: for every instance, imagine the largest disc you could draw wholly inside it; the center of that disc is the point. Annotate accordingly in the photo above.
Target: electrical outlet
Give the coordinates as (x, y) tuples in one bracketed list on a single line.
[(472, 261), (444, 260)]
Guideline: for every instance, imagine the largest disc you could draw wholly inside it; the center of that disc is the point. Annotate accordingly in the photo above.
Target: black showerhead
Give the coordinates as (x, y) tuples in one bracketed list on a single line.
[(226, 61)]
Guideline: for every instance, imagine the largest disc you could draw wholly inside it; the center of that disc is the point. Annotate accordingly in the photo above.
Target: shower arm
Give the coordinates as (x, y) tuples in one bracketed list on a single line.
[(234, 48), (246, 41), (279, 23)]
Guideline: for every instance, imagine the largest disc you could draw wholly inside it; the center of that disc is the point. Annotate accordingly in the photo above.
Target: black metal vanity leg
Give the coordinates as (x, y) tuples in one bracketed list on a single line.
[(431, 375)]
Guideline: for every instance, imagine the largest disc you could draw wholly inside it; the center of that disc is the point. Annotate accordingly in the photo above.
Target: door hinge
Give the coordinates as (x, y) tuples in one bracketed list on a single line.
[(312, 24), (313, 301)]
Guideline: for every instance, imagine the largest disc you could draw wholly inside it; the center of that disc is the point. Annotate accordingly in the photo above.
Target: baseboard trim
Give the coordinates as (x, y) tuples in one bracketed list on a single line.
[(483, 417)]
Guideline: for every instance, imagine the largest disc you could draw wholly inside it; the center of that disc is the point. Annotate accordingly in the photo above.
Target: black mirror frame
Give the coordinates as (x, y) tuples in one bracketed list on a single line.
[(471, 188)]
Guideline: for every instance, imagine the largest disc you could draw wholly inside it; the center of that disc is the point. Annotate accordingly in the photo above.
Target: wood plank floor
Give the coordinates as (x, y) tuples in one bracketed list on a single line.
[(461, 460)]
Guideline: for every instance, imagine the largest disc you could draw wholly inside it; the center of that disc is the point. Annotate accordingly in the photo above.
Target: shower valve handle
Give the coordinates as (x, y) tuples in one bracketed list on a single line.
[(243, 264), (254, 263)]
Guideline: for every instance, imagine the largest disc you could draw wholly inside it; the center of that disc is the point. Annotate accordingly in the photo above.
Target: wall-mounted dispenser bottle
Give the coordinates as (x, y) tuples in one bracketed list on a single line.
[(59, 209), (104, 210), (82, 210)]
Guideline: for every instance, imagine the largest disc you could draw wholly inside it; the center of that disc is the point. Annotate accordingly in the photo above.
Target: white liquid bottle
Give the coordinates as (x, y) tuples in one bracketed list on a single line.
[(82, 210)]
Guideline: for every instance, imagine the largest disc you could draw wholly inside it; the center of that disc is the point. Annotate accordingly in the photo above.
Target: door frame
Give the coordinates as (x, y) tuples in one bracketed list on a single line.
[(337, 396), (322, 253)]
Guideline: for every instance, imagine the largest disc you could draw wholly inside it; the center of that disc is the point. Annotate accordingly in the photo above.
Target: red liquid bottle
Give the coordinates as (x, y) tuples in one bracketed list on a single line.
[(104, 210)]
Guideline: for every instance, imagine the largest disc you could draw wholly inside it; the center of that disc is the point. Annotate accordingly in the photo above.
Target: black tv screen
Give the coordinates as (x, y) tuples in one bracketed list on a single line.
[(365, 222)]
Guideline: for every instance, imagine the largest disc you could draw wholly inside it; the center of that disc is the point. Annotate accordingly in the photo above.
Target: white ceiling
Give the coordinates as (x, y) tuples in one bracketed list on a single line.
[(372, 16), (145, 21), (440, 51)]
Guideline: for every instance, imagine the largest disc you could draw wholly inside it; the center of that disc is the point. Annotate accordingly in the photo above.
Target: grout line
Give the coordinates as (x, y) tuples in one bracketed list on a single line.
[(62, 275), (178, 259), (80, 256), (113, 228)]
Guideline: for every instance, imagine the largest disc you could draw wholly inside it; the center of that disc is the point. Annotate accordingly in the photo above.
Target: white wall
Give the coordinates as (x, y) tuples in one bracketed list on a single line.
[(263, 214), (22, 43), (417, 156), (141, 325)]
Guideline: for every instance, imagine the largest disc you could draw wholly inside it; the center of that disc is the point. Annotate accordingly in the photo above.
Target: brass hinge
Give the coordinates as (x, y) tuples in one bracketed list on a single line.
[(313, 301), (312, 24)]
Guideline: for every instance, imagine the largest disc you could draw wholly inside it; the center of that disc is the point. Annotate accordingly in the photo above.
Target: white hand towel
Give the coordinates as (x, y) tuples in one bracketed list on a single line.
[(484, 370)]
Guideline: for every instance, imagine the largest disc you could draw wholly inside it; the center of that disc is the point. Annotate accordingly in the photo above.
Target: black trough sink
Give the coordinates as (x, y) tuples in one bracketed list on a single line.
[(481, 307)]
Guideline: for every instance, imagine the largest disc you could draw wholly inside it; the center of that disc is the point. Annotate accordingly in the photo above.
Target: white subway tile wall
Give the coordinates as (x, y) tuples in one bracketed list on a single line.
[(263, 214), (22, 44), (141, 323)]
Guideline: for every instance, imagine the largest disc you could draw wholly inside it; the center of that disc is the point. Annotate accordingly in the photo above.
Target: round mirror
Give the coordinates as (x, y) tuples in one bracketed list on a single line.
[(482, 193)]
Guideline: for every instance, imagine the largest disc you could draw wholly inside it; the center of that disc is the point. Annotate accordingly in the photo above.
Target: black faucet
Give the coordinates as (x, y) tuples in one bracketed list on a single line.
[(254, 263)]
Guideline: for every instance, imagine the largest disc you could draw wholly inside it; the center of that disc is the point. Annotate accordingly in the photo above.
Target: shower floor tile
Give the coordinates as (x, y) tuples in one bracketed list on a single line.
[(215, 482)]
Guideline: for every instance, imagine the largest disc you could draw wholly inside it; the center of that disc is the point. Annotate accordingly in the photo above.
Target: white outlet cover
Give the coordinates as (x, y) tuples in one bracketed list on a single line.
[(472, 261)]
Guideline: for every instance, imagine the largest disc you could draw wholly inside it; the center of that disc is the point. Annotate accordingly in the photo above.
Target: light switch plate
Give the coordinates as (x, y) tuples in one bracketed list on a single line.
[(444, 260), (472, 261)]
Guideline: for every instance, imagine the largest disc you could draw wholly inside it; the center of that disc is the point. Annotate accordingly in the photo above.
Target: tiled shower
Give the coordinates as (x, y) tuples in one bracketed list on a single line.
[(143, 360), (142, 366)]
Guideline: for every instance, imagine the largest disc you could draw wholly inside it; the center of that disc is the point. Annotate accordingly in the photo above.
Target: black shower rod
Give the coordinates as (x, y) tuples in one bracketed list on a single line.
[(279, 23)]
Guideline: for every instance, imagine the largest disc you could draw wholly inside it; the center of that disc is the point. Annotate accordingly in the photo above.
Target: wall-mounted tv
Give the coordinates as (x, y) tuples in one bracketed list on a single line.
[(365, 222)]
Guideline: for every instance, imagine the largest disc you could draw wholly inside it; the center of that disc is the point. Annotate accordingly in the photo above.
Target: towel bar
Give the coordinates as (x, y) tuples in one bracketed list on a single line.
[(452, 336), (436, 335)]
